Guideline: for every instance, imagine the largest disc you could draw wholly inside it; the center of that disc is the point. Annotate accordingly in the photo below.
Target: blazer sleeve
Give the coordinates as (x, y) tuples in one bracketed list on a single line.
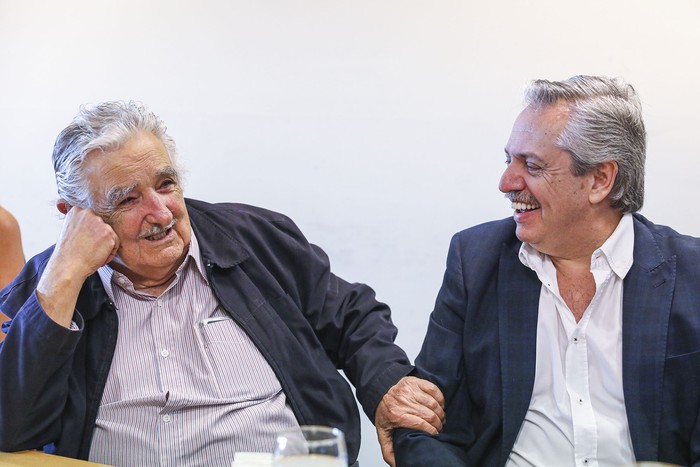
[(440, 361)]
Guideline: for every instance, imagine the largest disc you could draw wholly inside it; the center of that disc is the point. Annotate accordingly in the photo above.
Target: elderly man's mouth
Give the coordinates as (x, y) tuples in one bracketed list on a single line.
[(159, 236)]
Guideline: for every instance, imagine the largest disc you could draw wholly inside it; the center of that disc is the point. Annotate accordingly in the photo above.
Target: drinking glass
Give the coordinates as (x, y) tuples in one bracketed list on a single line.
[(311, 446)]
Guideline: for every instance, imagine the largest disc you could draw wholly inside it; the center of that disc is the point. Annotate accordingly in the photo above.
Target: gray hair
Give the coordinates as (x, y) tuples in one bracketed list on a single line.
[(105, 126), (605, 124)]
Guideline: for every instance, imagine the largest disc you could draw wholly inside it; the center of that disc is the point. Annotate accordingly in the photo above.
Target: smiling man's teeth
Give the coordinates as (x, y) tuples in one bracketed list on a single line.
[(523, 206), (159, 236)]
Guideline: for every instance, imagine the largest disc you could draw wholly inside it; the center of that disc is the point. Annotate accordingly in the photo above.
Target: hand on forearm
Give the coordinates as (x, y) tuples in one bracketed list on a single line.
[(411, 403)]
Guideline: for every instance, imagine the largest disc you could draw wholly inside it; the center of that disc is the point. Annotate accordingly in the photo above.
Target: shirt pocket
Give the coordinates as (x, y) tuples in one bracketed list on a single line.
[(241, 372)]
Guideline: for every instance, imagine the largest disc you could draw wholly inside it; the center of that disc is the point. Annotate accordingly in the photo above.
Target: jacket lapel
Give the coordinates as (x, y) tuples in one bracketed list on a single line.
[(518, 300), (648, 290)]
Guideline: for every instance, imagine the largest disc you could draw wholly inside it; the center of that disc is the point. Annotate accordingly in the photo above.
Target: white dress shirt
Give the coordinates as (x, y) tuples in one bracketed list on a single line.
[(577, 412)]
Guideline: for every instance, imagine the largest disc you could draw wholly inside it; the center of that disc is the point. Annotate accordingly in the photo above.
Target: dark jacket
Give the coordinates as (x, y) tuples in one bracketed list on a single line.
[(306, 322), (480, 349)]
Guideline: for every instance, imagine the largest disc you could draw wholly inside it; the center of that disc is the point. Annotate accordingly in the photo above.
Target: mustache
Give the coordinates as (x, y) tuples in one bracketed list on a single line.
[(520, 197), (158, 229)]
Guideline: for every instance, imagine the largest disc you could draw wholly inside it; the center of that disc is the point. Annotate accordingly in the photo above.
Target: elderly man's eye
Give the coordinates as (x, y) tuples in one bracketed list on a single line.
[(166, 184)]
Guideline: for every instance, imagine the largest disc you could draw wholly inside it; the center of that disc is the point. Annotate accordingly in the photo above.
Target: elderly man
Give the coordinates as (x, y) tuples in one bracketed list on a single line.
[(569, 334), (166, 331)]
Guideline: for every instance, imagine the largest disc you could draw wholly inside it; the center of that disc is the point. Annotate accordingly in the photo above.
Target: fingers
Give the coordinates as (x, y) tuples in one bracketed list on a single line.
[(387, 445), (410, 402), (414, 422), (86, 242), (419, 390), (428, 388), (114, 251)]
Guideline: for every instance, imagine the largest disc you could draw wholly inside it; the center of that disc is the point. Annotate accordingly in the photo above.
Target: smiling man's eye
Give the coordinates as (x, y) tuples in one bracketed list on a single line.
[(126, 201), (532, 167)]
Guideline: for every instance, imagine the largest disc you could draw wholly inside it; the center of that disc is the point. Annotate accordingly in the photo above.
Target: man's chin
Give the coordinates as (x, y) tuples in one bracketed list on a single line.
[(165, 257), (524, 234)]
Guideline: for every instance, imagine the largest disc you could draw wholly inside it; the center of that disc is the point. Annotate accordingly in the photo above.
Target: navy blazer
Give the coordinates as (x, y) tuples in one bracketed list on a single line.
[(481, 343)]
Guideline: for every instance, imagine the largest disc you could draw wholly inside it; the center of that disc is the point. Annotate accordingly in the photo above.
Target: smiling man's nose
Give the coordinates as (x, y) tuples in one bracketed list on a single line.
[(510, 180), (158, 211)]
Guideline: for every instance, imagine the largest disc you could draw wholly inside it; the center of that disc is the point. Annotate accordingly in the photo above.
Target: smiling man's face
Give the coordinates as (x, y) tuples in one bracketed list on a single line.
[(137, 190), (551, 204)]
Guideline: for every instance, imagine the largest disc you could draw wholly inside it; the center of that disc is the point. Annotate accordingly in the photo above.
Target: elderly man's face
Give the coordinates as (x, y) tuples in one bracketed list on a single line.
[(552, 208), (136, 189)]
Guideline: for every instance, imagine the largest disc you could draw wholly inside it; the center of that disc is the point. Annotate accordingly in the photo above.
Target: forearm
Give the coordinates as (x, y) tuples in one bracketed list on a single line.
[(415, 448), (366, 351), (58, 290)]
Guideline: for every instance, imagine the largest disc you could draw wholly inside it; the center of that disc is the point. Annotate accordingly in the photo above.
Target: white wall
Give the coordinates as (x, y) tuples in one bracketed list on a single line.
[(378, 126)]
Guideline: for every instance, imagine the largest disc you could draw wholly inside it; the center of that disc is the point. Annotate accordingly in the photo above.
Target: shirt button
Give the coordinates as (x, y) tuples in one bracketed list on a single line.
[(166, 419), (586, 461), (575, 340), (164, 353), (580, 401)]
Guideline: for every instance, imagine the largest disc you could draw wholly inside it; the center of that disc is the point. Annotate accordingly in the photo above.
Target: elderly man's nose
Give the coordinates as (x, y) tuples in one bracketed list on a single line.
[(158, 211)]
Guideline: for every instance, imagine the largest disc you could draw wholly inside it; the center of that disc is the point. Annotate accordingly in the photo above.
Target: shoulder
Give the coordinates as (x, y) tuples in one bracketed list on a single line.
[(479, 249), (22, 287), (241, 227), (238, 210), (489, 236), (235, 217), (666, 239), (8, 223)]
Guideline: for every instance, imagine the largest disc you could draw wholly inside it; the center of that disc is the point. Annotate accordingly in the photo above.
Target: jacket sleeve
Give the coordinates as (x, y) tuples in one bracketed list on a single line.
[(35, 364), (440, 361), (355, 329)]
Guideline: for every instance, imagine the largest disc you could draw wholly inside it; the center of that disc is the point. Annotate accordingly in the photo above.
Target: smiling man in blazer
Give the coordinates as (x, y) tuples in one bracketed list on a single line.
[(568, 334)]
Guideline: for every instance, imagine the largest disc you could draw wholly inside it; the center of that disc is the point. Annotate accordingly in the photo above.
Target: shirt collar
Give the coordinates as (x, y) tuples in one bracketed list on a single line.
[(618, 250), (109, 276)]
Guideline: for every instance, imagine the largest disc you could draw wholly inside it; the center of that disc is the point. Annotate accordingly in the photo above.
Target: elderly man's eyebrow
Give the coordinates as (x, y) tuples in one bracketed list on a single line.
[(168, 171), (117, 193)]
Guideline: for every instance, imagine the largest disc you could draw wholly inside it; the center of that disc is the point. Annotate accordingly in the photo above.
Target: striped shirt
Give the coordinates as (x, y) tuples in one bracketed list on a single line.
[(187, 386)]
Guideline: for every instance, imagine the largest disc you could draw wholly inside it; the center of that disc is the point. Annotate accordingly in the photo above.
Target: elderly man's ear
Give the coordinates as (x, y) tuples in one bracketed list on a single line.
[(62, 206)]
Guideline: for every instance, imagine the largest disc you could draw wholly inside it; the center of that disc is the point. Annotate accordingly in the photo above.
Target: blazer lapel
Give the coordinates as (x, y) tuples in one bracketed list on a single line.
[(518, 302), (648, 290)]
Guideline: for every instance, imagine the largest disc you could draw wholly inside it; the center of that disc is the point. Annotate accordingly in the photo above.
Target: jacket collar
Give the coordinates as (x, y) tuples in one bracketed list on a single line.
[(518, 299), (648, 292), (228, 252)]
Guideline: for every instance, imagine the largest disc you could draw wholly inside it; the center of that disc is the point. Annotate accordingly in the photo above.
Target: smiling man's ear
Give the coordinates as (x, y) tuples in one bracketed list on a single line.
[(604, 176)]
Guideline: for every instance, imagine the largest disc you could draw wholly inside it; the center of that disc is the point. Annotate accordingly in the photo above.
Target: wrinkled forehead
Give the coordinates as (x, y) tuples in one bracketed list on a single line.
[(139, 161)]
